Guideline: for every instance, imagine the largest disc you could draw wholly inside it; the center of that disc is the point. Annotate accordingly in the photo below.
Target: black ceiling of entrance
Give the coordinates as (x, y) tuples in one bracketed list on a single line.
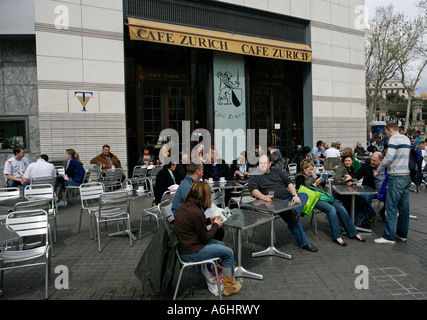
[(219, 16)]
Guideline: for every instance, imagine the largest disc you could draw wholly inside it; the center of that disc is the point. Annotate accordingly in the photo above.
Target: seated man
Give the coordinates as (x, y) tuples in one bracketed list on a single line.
[(15, 167), (194, 173), (367, 173), (267, 179), (40, 168), (216, 167), (359, 150), (276, 157), (373, 146), (317, 153), (106, 159)]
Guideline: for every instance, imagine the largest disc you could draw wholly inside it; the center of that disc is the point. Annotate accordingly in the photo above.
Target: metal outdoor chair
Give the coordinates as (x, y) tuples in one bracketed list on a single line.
[(217, 197), (139, 174), (292, 169), (152, 178), (245, 196), (8, 193), (113, 206), (40, 204), (89, 196), (331, 162), (112, 179), (27, 224), (44, 191), (184, 264), (95, 166)]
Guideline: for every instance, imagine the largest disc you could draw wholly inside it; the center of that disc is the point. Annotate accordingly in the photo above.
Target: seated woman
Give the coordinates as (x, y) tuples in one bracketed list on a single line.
[(74, 175), (196, 242), (165, 178), (239, 168), (344, 175), (146, 158), (333, 210)]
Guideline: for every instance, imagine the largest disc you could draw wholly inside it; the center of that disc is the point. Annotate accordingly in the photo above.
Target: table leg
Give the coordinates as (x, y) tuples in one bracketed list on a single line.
[(239, 271), (271, 250)]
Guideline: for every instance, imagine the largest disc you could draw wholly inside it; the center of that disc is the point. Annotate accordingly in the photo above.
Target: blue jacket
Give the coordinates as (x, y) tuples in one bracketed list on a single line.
[(182, 191), (75, 170)]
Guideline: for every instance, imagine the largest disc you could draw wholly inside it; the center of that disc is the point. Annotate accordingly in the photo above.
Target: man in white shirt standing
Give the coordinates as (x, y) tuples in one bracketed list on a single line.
[(40, 168), (15, 167)]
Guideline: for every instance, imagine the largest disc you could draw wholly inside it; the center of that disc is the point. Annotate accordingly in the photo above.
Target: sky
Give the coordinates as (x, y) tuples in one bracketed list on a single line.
[(408, 8)]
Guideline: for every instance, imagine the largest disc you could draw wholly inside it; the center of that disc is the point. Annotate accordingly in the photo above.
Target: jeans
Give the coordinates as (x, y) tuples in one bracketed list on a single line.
[(333, 210), (295, 225), (12, 183), (397, 207), (366, 200), (213, 249)]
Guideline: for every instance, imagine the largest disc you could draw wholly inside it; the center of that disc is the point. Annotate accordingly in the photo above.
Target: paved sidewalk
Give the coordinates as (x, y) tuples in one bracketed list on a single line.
[(396, 272)]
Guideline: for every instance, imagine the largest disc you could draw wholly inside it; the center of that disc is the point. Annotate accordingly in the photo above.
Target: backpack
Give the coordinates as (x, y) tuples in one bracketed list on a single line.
[(156, 268), (415, 165)]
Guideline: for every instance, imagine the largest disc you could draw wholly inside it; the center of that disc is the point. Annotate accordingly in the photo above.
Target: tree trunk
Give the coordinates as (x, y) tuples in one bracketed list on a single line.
[(408, 112)]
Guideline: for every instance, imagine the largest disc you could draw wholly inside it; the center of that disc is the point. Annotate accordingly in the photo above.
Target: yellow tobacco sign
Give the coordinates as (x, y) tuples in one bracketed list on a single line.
[(216, 40)]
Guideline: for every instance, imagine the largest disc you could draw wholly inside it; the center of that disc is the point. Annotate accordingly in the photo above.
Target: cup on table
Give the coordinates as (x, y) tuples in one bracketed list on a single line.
[(141, 189), (210, 180), (271, 195), (129, 187), (222, 179)]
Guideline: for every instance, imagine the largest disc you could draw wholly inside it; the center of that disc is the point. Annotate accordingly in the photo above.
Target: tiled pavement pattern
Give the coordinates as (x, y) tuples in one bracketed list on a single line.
[(395, 272)]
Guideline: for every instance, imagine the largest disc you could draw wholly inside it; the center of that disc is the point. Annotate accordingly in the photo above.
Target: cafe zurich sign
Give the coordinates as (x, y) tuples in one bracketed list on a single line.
[(214, 40)]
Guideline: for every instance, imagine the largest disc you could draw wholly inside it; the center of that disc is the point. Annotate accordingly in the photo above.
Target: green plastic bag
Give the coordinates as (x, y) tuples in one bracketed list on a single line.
[(313, 197), (324, 196)]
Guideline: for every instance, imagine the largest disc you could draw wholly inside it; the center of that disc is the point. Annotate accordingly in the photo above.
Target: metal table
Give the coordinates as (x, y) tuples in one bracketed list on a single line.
[(347, 190), (277, 206), (244, 220), (8, 204)]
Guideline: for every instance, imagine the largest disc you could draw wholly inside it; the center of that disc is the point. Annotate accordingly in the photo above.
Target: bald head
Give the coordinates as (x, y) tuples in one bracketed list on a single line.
[(376, 159)]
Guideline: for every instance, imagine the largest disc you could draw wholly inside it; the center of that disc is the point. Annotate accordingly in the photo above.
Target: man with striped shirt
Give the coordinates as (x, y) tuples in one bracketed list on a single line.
[(397, 200)]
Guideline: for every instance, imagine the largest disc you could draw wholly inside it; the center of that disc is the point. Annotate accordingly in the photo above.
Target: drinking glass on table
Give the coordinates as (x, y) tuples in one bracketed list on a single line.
[(271, 195)]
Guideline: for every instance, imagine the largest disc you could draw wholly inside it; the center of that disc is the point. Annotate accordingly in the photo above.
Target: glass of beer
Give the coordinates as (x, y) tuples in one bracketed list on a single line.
[(271, 195)]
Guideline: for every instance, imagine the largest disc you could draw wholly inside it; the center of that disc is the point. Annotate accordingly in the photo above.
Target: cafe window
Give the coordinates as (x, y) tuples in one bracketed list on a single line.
[(13, 133)]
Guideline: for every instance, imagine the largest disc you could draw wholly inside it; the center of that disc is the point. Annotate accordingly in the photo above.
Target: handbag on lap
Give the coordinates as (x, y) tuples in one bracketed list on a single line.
[(313, 197)]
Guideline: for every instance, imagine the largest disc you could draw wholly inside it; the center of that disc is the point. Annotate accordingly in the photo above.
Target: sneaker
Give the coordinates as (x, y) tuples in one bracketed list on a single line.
[(384, 241), (401, 238), (62, 203)]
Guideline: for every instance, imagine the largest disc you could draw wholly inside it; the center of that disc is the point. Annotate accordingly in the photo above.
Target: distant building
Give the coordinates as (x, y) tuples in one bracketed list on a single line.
[(390, 86)]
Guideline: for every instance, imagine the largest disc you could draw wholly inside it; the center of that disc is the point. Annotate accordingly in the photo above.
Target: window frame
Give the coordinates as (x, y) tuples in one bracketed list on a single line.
[(26, 126)]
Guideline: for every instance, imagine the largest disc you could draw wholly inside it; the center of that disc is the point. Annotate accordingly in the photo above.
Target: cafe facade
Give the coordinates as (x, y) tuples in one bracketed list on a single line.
[(120, 72)]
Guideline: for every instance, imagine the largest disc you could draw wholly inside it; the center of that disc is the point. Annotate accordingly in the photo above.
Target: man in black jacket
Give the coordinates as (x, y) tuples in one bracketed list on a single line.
[(367, 173)]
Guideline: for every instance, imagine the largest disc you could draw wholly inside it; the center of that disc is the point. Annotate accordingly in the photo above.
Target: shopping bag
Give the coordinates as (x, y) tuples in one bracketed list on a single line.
[(209, 273), (383, 191), (313, 197), (324, 196)]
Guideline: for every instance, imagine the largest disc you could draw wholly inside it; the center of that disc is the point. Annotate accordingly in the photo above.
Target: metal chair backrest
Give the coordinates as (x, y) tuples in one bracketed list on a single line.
[(9, 193), (167, 195), (40, 204), (39, 191), (113, 204), (292, 168), (217, 197), (113, 175), (156, 170), (92, 175), (285, 162), (29, 223), (90, 193), (331, 162), (138, 171), (165, 209), (95, 166), (42, 180)]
